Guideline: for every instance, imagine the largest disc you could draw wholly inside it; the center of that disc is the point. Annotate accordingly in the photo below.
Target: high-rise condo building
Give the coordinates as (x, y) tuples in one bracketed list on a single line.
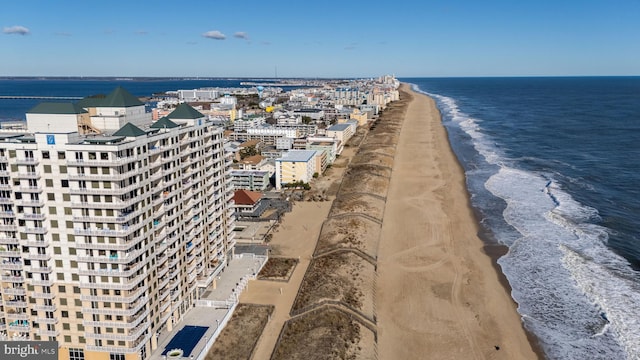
[(111, 225)]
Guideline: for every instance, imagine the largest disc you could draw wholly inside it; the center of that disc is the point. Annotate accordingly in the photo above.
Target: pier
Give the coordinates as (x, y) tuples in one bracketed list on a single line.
[(37, 97)]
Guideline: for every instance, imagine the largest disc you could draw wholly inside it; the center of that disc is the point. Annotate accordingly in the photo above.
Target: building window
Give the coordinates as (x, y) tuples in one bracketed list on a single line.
[(61, 155), (113, 356), (76, 354), (45, 155), (64, 183)]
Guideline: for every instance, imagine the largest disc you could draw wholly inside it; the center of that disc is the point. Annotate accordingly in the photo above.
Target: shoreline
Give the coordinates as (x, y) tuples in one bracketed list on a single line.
[(433, 259), (395, 258)]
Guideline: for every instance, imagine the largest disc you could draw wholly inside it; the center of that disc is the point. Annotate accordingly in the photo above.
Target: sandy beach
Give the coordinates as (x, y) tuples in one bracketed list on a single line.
[(438, 296), (391, 267)]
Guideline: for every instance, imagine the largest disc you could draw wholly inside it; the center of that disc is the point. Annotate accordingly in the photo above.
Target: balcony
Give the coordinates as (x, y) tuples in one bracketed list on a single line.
[(131, 309), (106, 191), (14, 291), (9, 265), (19, 326), (113, 259), (43, 295), (12, 279), (9, 241), (192, 276), (161, 272), (44, 307), (125, 298), (101, 163), (106, 246), (128, 323), (47, 320), (31, 216), (105, 219), (35, 230), (133, 335), (37, 256), (35, 282), (7, 214), (10, 253), (27, 161), (114, 272), (118, 204), (45, 332), (8, 227), (127, 230), (30, 189), (125, 284), (96, 177), (15, 303), (38, 243), (43, 269)]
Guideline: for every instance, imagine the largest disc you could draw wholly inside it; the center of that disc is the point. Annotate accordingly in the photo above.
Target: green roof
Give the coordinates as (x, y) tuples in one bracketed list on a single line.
[(91, 101), (120, 98), (130, 130), (56, 108), (185, 111), (165, 123)]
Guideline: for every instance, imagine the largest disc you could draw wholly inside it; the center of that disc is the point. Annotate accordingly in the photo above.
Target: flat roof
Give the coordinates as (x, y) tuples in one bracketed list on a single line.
[(338, 127), (297, 155)]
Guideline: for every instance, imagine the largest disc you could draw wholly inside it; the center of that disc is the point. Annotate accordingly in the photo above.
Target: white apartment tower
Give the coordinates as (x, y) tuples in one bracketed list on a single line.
[(107, 239)]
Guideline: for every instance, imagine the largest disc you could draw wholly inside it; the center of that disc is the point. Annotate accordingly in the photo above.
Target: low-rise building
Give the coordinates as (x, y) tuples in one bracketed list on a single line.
[(342, 132), (295, 166)]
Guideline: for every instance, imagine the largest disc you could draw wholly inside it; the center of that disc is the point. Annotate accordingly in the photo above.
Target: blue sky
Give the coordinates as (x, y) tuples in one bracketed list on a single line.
[(324, 38)]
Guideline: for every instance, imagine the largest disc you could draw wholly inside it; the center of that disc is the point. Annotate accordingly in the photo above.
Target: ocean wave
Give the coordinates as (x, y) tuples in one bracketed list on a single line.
[(572, 291)]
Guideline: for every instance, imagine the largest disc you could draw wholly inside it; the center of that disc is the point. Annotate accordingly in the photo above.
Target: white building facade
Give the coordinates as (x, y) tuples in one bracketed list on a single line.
[(108, 240)]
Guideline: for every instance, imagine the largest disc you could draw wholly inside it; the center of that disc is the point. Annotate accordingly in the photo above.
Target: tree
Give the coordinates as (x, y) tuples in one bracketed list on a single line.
[(248, 151)]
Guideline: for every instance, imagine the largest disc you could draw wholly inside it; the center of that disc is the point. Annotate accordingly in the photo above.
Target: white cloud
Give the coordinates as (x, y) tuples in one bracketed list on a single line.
[(241, 35), (17, 30), (214, 34)]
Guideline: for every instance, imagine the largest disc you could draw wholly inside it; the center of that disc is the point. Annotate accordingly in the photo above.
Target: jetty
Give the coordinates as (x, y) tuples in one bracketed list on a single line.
[(38, 97)]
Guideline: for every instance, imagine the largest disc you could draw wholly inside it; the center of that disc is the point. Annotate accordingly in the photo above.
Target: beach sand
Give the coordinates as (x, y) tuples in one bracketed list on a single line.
[(438, 294), (391, 267)]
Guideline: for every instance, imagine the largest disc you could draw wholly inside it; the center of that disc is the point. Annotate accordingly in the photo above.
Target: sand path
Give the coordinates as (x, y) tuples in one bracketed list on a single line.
[(296, 237), (438, 296)]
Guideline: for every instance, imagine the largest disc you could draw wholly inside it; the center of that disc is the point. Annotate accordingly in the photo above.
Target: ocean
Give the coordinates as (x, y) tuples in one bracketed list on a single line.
[(15, 109), (552, 168)]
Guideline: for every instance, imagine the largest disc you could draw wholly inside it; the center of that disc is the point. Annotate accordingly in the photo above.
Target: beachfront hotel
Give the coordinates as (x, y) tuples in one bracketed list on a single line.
[(111, 225)]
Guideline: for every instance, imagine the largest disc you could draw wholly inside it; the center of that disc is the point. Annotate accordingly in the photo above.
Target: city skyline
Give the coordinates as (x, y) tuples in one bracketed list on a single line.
[(330, 39)]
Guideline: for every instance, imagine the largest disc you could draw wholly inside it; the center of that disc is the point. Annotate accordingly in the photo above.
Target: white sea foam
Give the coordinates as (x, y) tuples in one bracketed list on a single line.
[(618, 297), (576, 295)]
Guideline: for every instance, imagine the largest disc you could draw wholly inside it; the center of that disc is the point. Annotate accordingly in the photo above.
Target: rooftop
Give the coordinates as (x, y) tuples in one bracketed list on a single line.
[(56, 108), (185, 111), (245, 197), (120, 98), (297, 155), (338, 127)]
